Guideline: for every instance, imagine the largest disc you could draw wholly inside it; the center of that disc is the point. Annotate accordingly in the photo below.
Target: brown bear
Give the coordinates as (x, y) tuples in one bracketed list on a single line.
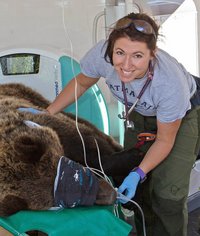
[(29, 152)]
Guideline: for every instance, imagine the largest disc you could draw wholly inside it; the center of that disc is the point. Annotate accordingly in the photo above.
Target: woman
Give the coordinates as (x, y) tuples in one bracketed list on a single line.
[(127, 60)]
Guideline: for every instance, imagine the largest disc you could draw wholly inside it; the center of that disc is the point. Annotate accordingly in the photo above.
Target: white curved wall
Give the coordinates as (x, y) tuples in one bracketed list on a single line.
[(39, 23), (197, 3), (180, 36)]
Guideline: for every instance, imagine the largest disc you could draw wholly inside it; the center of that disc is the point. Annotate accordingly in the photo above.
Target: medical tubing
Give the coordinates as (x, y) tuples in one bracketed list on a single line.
[(133, 106), (77, 127), (67, 37), (123, 197), (140, 94), (125, 98), (145, 86), (149, 79), (101, 167)]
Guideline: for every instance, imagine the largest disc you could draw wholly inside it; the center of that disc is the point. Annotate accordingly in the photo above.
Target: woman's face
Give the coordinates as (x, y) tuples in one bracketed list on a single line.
[(131, 59)]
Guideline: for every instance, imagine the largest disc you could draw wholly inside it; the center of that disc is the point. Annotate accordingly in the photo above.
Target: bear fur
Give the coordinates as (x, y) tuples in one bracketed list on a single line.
[(29, 154)]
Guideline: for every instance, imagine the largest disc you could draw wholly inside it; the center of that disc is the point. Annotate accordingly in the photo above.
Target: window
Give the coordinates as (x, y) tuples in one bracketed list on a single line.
[(179, 32), (20, 64)]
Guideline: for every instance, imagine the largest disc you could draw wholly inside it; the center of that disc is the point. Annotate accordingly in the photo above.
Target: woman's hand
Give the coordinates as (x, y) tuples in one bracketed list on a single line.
[(31, 110), (129, 186)]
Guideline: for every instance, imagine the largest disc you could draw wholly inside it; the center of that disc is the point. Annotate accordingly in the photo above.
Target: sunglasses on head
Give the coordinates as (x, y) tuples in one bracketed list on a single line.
[(140, 25)]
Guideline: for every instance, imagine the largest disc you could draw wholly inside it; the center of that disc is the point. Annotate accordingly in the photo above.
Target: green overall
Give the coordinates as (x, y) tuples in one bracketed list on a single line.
[(163, 196)]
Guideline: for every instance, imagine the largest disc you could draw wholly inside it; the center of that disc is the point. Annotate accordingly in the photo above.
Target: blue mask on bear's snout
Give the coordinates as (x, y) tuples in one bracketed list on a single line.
[(74, 185)]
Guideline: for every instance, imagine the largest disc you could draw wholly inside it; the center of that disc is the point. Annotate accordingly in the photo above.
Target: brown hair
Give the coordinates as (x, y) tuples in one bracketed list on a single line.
[(133, 34)]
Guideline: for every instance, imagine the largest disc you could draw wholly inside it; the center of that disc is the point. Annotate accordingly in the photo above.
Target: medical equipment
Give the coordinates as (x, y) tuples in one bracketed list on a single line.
[(47, 72), (125, 115)]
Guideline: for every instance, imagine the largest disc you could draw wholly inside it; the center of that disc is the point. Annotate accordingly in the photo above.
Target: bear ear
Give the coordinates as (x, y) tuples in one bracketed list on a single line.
[(12, 204), (29, 149)]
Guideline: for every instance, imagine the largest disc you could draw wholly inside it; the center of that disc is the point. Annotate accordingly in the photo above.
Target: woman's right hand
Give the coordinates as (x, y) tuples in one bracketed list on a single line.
[(30, 110)]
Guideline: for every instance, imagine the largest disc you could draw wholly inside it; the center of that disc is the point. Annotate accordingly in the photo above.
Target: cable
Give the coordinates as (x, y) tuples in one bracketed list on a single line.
[(67, 37), (96, 171), (123, 197)]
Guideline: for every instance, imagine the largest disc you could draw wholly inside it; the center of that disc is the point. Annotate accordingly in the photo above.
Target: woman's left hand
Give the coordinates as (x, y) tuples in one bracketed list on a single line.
[(129, 186)]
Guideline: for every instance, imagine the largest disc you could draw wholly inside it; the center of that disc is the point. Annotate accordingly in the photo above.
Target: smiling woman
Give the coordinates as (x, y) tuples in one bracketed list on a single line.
[(131, 59), (146, 78)]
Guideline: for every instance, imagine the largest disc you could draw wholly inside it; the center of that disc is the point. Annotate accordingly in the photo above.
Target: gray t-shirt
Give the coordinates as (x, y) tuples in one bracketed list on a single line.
[(167, 96)]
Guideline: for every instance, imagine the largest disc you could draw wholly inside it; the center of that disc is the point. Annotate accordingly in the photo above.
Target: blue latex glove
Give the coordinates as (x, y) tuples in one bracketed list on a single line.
[(30, 109), (129, 186)]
